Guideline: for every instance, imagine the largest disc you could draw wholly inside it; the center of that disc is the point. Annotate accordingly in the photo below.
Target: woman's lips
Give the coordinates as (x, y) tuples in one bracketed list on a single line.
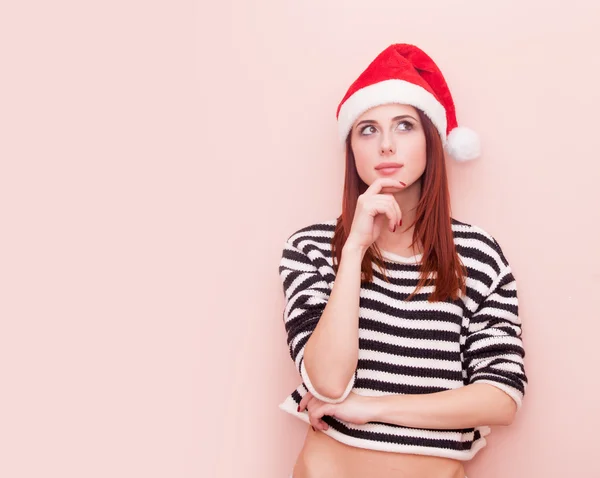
[(388, 167), (390, 170)]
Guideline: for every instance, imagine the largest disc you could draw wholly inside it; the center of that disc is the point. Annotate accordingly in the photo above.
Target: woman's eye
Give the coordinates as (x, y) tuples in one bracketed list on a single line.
[(408, 125), (369, 129)]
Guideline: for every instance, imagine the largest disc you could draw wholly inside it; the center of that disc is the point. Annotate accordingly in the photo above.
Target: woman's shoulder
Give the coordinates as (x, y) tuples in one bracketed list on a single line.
[(319, 232), (464, 229), (469, 227), (310, 246), (473, 239)]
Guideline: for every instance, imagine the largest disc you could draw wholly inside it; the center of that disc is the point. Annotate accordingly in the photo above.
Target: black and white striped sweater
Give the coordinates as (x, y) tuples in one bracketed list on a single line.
[(410, 347)]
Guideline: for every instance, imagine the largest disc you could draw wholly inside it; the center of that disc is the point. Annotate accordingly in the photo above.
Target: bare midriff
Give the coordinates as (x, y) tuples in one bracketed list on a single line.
[(324, 457)]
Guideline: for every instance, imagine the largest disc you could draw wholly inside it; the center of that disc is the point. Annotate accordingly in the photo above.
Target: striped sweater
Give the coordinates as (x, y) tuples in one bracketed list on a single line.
[(409, 347)]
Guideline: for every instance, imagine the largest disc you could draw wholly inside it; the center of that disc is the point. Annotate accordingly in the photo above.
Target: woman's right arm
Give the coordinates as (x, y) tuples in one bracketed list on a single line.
[(330, 354)]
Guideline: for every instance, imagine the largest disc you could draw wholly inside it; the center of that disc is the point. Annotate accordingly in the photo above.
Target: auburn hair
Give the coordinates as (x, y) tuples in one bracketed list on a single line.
[(440, 264)]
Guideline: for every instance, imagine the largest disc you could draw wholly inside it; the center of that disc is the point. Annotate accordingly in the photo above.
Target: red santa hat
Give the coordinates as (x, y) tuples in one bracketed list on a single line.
[(403, 73)]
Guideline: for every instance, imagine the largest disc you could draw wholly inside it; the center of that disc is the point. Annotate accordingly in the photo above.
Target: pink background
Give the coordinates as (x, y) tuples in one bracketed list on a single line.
[(154, 157)]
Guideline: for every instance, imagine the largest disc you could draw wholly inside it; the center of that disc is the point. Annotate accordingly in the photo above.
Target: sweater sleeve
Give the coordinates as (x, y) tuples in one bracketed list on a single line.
[(494, 350), (306, 294)]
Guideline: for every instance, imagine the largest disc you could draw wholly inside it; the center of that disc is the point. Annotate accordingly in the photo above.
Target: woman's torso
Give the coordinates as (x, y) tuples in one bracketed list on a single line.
[(324, 457)]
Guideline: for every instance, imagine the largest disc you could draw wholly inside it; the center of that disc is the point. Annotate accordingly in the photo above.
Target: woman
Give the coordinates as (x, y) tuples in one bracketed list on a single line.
[(402, 321)]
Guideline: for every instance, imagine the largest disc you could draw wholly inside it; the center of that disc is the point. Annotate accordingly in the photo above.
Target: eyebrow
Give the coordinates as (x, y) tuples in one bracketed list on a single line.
[(395, 118)]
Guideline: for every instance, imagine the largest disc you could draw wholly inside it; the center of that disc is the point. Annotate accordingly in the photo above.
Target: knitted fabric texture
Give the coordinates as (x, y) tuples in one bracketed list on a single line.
[(414, 347)]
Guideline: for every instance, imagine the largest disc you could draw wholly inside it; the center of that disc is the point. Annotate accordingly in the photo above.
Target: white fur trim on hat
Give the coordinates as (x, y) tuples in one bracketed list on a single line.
[(391, 91), (463, 144)]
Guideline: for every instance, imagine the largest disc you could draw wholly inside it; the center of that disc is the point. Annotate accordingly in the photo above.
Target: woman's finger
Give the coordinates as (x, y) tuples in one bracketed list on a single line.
[(395, 207), (318, 413), (317, 423), (398, 211), (314, 422), (304, 402), (395, 213), (391, 213), (380, 183), (383, 205)]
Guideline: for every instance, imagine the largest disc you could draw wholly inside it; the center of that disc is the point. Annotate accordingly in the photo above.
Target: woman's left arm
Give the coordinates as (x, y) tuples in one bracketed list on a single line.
[(494, 365), (477, 404)]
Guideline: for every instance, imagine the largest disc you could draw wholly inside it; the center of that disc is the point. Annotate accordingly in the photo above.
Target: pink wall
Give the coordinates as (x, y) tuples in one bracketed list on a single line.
[(154, 158)]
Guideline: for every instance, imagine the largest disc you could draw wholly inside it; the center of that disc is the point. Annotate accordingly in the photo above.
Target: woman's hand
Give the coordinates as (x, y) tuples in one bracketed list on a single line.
[(372, 209), (354, 409)]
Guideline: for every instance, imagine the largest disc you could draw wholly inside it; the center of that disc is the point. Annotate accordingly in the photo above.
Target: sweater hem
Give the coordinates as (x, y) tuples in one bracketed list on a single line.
[(290, 406)]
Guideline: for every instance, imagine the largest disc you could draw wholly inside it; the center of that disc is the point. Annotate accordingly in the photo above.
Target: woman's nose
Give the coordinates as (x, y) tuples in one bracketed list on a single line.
[(387, 147)]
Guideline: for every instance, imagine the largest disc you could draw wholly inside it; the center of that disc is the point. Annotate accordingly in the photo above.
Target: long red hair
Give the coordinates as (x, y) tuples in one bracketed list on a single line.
[(433, 227)]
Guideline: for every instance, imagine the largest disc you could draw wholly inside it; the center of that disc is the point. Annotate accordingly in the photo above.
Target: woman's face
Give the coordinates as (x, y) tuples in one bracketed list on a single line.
[(391, 133)]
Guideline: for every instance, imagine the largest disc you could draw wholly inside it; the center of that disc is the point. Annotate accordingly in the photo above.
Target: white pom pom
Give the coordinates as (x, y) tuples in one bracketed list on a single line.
[(463, 144)]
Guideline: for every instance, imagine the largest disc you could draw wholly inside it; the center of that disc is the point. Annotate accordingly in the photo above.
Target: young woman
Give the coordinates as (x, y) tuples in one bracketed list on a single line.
[(402, 321)]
